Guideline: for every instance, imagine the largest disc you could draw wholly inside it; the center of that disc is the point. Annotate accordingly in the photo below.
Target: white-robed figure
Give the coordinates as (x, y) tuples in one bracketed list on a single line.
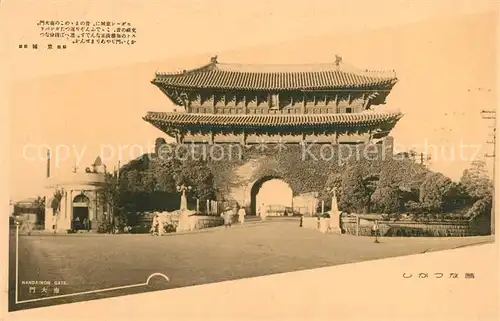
[(262, 211), (159, 225), (241, 215), (227, 215), (55, 220), (154, 224)]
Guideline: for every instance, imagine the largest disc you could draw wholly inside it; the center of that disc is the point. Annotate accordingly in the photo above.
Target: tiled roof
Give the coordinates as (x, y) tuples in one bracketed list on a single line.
[(268, 77), (178, 120)]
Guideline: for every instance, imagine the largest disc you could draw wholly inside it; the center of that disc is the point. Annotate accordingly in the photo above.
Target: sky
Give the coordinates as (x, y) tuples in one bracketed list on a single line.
[(88, 100), (275, 192)]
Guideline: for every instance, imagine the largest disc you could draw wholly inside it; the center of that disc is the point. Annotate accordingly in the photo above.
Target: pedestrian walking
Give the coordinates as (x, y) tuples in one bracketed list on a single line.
[(154, 225), (159, 224), (375, 230), (262, 211), (241, 215), (227, 215)]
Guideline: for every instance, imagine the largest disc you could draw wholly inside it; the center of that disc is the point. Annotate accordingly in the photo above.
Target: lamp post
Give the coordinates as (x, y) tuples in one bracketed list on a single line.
[(332, 190), (182, 189), (334, 205)]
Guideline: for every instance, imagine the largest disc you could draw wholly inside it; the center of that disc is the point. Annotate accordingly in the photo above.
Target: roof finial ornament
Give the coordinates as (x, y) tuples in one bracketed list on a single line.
[(338, 60), (213, 59)]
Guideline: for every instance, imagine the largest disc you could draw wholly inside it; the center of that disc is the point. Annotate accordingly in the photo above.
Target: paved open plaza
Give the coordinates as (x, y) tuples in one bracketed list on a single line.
[(86, 262)]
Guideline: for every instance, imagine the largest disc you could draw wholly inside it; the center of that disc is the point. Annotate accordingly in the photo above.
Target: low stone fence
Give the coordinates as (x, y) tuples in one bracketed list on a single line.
[(413, 228), (196, 222), (201, 222)]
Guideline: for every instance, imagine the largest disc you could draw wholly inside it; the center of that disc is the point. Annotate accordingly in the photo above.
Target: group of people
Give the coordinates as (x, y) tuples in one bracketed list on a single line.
[(81, 225), (157, 226), (229, 213)]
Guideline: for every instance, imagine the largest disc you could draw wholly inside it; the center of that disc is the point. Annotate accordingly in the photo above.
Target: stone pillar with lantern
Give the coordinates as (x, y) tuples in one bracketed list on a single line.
[(334, 225), (183, 209)]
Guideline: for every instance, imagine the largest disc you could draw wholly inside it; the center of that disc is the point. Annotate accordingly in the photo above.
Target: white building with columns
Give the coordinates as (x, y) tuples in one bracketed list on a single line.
[(81, 205)]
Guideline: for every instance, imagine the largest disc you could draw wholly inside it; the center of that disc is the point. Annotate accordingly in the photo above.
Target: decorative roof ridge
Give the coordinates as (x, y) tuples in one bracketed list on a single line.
[(312, 67), (338, 65), (207, 67)]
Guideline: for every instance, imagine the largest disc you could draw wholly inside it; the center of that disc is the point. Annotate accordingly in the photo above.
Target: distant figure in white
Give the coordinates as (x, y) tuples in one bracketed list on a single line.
[(155, 225), (55, 219), (375, 230), (262, 211), (159, 225), (241, 215), (227, 215)]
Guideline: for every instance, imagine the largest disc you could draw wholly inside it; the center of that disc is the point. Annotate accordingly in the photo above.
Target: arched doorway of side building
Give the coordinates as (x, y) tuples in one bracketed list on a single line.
[(80, 218), (273, 194)]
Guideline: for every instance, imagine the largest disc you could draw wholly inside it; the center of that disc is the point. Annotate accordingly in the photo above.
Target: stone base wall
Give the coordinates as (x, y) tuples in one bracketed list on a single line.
[(412, 228), (196, 222)]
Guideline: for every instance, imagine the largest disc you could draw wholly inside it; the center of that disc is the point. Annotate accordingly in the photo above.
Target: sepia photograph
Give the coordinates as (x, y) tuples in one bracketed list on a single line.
[(188, 143)]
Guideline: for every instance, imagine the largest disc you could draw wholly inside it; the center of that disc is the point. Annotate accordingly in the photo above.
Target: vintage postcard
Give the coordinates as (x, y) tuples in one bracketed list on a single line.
[(161, 148)]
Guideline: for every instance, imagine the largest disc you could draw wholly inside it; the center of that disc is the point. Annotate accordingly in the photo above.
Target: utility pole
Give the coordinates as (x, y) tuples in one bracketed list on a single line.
[(492, 115), (424, 158)]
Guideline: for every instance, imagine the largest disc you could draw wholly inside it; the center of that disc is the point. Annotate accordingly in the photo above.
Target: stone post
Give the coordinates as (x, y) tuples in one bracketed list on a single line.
[(335, 216)]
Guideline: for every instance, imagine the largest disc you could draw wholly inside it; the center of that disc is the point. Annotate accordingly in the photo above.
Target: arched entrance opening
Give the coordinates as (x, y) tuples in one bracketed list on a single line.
[(274, 194), (80, 217)]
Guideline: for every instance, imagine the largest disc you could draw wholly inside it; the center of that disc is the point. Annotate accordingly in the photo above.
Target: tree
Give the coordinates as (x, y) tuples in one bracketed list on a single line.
[(39, 207), (164, 171), (56, 201), (388, 199), (158, 143), (481, 207), (476, 182), (113, 201), (355, 195), (149, 183), (197, 174), (399, 182), (435, 192), (134, 180), (334, 180)]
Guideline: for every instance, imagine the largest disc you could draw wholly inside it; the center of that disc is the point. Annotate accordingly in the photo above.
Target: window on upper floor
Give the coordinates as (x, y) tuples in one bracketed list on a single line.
[(348, 110)]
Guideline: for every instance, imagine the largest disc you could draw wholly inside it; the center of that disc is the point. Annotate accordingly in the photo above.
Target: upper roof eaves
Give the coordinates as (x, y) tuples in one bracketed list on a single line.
[(224, 75)]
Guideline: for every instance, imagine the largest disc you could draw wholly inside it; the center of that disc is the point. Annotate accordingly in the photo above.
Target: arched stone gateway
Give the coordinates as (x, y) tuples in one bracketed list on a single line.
[(238, 180), (277, 202)]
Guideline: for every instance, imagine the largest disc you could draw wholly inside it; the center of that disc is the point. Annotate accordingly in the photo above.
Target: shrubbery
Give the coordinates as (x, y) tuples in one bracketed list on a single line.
[(480, 207)]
